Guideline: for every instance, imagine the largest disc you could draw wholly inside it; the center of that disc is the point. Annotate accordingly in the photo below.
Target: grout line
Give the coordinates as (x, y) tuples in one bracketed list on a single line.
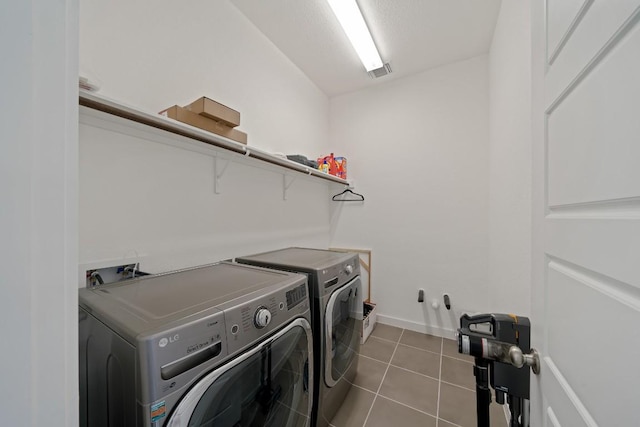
[(421, 349), (459, 359), (415, 372), (373, 358), (362, 388), (457, 385), (439, 379), (384, 339), (407, 370), (439, 383), (442, 419), (407, 406), (370, 408), (382, 381)]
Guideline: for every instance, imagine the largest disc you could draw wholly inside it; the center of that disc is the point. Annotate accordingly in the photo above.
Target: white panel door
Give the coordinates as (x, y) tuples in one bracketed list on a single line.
[(586, 266)]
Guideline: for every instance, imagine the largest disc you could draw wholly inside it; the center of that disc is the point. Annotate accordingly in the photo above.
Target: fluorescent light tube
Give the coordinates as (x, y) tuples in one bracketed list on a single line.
[(353, 24)]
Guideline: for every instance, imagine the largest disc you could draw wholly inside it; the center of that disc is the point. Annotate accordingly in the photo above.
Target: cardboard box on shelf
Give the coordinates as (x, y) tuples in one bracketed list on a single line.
[(214, 110), (182, 115)]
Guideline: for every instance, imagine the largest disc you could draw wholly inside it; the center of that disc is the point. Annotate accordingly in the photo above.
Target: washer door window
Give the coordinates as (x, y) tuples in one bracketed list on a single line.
[(343, 318), (266, 386)]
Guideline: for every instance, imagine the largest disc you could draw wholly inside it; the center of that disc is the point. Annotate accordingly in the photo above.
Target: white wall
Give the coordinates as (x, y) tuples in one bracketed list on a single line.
[(38, 213), (510, 161), (155, 203), (149, 196), (153, 54), (419, 153)]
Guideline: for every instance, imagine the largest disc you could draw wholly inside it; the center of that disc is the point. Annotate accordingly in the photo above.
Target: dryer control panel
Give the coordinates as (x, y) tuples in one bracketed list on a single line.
[(337, 275)]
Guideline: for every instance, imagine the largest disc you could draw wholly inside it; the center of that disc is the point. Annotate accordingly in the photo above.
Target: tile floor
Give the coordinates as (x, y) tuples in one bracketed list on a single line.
[(408, 379)]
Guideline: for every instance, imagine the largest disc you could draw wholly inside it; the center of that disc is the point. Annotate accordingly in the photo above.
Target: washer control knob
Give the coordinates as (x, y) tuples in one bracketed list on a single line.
[(348, 269), (262, 317)]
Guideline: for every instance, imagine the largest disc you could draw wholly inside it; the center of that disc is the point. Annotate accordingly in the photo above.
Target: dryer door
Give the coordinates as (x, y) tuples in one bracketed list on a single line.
[(266, 386), (343, 323)]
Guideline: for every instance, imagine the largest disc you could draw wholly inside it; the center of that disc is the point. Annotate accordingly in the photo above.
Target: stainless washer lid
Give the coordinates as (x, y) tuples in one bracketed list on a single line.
[(143, 304)]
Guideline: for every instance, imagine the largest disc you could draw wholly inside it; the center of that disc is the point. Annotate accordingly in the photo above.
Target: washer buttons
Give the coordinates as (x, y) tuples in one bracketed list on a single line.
[(281, 306), (234, 329)]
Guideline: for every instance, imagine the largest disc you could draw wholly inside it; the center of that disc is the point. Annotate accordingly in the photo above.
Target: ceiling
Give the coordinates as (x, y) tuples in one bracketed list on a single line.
[(412, 35)]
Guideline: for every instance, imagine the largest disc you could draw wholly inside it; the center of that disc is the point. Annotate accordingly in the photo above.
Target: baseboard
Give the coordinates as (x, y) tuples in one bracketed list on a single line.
[(417, 327)]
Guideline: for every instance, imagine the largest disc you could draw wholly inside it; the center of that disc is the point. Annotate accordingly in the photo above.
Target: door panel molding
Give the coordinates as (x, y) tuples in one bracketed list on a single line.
[(552, 420), (573, 241), (580, 167), (600, 30), (570, 408), (624, 208), (573, 19), (621, 292), (593, 318)]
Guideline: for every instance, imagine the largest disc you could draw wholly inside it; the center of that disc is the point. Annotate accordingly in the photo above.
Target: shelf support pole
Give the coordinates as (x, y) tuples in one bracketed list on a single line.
[(286, 183), (219, 167)]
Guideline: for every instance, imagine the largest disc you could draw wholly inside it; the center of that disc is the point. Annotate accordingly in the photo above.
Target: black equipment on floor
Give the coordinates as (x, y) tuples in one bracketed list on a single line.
[(501, 346)]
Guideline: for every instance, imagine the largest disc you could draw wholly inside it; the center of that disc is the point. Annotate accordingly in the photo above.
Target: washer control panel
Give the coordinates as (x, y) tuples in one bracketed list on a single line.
[(254, 318), (262, 317)]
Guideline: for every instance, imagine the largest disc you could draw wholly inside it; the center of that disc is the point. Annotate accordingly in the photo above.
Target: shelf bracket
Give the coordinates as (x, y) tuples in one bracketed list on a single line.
[(219, 167), (286, 183)]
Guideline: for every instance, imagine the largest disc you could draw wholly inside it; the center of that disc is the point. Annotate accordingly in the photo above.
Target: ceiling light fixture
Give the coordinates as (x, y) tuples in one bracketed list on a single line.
[(350, 17)]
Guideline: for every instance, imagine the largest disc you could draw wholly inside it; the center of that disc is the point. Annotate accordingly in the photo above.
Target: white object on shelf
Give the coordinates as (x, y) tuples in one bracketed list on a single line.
[(88, 85), (369, 321)]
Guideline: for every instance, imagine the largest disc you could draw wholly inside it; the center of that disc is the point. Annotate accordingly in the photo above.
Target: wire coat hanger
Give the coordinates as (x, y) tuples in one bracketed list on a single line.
[(358, 197)]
